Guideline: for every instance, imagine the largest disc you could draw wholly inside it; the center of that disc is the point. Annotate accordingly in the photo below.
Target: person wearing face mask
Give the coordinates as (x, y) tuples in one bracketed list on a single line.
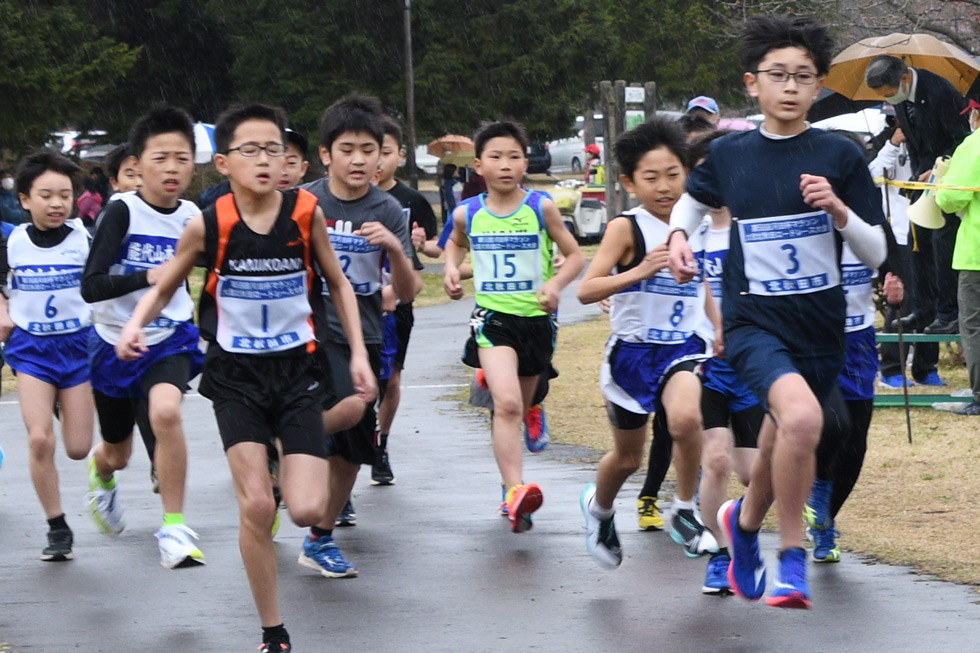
[(964, 170), (10, 210), (929, 110)]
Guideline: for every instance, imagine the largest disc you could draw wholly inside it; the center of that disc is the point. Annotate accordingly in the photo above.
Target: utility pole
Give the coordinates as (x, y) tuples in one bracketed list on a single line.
[(413, 174)]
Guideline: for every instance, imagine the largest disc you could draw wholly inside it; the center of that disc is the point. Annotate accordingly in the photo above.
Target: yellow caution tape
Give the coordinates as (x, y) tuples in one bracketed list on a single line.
[(922, 185)]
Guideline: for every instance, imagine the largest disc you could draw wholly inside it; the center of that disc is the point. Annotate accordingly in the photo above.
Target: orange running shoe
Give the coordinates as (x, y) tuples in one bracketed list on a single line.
[(522, 500), (481, 378)]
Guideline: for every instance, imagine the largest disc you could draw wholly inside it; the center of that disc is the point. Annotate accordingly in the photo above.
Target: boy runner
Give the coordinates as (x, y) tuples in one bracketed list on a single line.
[(48, 344), (512, 332), (138, 233), (419, 216), (793, 192), (652, 358), (259, 246), (366, 227)]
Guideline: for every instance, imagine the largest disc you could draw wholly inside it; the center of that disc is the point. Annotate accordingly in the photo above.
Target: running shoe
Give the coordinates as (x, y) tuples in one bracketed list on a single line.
[(932, 378), (688, 531), (59, 545), (177, 549), (275, 645), (481, 379), (102, 503), (1, 456), (503, 500), (716, 575), (746, 573), (648, 514), (522, 500), (600, 534), (536, 435), (381, 473), (322, 555), (816, 510), (347, 516), (790, 590), (824, 540), (893, 381)]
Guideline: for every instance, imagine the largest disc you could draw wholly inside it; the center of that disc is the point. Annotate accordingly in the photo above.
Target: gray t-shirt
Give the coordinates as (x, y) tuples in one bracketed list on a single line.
[(362, 264)]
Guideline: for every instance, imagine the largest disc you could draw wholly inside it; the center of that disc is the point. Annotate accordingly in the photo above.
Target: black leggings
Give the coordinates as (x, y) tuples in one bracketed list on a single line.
[(843, 444), (661, 450)]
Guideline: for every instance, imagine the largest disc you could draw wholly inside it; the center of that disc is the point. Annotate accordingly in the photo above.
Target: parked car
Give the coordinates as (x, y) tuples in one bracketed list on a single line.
[(423, 160), (568, 154), (538, 158)]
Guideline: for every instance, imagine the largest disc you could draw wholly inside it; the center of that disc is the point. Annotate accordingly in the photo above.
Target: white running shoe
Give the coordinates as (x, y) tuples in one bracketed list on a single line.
[(101, 502), (177, 549)]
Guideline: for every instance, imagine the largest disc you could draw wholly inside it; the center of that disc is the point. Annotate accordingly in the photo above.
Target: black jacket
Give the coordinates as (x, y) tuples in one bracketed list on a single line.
[(938, 126)]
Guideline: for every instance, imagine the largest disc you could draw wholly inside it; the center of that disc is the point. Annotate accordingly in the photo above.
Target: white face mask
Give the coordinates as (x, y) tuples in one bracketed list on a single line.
[(8, 183), (901, 95)]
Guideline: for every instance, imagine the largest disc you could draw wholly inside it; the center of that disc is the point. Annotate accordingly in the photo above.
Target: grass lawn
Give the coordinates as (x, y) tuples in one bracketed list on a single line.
[(910, 503)]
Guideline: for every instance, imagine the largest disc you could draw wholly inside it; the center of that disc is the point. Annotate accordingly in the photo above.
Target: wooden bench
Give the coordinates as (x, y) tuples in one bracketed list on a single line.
[(917, 399)]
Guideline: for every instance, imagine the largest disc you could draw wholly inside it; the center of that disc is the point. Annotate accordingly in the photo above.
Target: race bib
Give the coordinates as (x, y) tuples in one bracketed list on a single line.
[(506, 263), (789, 255)]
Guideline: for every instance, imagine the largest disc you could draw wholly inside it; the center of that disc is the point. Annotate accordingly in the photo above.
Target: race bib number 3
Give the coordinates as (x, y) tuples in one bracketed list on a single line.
[(789, 255)]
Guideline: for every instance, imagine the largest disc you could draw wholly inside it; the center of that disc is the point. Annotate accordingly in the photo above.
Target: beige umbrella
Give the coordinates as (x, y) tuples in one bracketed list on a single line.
[(450, 143), (460, 158), (846, 74)]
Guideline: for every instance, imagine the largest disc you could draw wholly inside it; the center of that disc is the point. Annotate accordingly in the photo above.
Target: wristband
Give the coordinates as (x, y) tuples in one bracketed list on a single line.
[(674, 231)]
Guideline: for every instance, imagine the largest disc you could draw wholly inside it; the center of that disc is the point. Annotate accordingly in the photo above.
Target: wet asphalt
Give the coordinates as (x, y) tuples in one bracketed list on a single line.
[(439, 569)]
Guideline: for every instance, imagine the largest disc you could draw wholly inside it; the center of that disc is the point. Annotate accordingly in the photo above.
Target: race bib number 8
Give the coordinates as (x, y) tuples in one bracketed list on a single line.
[(789, 255)]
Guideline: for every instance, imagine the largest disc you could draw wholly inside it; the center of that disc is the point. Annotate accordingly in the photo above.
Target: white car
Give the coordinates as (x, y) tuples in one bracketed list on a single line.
[(423, 160), (568, 154)]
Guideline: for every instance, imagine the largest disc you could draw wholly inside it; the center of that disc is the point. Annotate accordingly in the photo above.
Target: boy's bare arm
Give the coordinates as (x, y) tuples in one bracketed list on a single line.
[(456, 248), (599, 282), (344, 300), (172, 274), (405, 280), (550, 291)]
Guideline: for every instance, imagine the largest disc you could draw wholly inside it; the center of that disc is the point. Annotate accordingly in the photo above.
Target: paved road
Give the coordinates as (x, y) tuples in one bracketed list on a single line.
[(439, 570)]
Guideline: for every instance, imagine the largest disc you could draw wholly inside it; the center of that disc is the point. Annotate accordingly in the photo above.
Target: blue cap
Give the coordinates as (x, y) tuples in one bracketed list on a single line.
[(703, 102)]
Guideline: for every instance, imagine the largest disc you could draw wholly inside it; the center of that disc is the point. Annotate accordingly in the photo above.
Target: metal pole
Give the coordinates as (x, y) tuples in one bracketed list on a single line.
[(413, 173), (901, 341)]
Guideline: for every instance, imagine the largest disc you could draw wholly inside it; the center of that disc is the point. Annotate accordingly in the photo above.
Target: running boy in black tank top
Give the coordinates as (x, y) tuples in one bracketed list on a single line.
[(259, 246)]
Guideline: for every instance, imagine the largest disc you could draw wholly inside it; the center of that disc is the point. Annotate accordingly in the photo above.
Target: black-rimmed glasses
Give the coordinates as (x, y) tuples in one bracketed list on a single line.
[(253, 149), (780, 76)]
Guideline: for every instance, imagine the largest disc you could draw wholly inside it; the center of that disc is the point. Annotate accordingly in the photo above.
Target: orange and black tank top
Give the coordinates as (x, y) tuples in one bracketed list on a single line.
[(256, 296)]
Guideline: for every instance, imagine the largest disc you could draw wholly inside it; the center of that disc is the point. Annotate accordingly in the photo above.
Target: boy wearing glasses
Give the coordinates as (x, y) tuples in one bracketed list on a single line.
[(137, 234), (366, 229), (259, 246), (795, 194)]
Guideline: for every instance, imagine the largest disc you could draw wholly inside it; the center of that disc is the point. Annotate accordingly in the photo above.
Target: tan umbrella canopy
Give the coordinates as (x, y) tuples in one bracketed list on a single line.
[(450, 143), (460, 158), (846, 74)]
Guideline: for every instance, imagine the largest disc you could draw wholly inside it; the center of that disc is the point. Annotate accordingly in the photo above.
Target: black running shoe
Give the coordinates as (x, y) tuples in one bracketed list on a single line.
[(276, 645), (59, 546), (381, 473), (347, 516)]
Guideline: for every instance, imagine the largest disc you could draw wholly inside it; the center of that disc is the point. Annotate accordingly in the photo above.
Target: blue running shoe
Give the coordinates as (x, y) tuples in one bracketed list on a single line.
[(824, 540), (789, 590), (716, 575), (932, 378), (893, 381), (322, 555), (1, 456), (816, 510), (746, 573), (536, 435)]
